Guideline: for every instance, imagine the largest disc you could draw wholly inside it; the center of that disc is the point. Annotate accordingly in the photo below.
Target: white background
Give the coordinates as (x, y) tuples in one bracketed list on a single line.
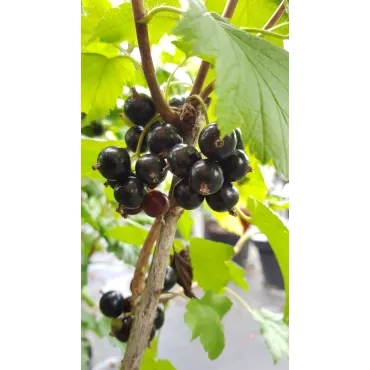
[(40, 184)]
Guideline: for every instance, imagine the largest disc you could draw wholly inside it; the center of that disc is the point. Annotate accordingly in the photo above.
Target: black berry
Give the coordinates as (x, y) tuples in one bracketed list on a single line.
[(132, 139), (150, 169), (181, 158), (239, 139), (111, 304), (113, 163), (225, 199), (185, 196), (126, 305), (213, 146), (124, 332), (177, 101), (235, 166), (159, 318), (162, 138), (152, 333), (139, 108), (94, 129), (206, 177), (131, 193), (155, 203), (124, 211), (169, 279)]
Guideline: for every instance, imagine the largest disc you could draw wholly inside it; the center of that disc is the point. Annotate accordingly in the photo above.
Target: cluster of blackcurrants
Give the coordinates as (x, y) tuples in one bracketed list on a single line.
[(209, 178), (113, 305)]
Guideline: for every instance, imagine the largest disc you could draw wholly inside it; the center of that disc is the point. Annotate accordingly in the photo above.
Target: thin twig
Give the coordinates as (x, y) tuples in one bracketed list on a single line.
[(172, 76), (147, 63), (208, 89), (138, 282), (201, 103), (275, 17), (147, 127)]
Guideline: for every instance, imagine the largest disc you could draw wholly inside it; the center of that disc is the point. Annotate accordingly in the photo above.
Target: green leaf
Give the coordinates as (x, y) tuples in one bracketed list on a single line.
[(217, 302), (208, 260), (97, 47), (162, 22), (115, 25), (275, 332), (89, 154), (205, 323), (128, 234), (185, 225), (252, 82), (102, 81), (96, 7), (150, 363), (237, 275), (270, 224)]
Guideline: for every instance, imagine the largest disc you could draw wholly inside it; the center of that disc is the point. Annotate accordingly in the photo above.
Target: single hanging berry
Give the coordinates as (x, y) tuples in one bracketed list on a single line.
[(155, 203), (159, 318), (162, 138), (169, 279), (132, 138), (181, 159), (206, 177), (185, 196), (213, 146), (225, 199), (113, 163), (122, 332), (151, 169), (177, 101), (111, 304), (139, 108), (235, 166), (131, 193), (126, 305)]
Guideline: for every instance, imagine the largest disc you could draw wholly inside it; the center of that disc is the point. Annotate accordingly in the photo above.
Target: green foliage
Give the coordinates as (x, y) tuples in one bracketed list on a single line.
[(237, 275), (95, 8), (185, 225), (252, 93), (208, 260), (102, 81), (151, 363), (274, 331), (129, 234), (89, 154), (84, 354), (270, 224), (204, 319)]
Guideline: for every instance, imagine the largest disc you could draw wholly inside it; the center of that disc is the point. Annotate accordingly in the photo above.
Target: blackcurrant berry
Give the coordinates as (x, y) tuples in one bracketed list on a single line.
[(155, 203), (126, 305), (177, 101), (111, 304), (185, 196), (206, 177), (150, 169), (181, 158), (239, 139), (225, 199), (139, 108), (169, 279), (152, 333), (159, 318), (162, 138), (124, 332), (124, 211), (132, 139), (213, 146), (113, 163), (131, 193), (235, 166)]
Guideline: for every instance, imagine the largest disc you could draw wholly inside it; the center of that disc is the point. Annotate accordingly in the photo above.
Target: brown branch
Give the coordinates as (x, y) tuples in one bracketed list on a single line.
[(204, 67), (147, 63), (207, 90), (275, 17), (146, 308), (138, 282)]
